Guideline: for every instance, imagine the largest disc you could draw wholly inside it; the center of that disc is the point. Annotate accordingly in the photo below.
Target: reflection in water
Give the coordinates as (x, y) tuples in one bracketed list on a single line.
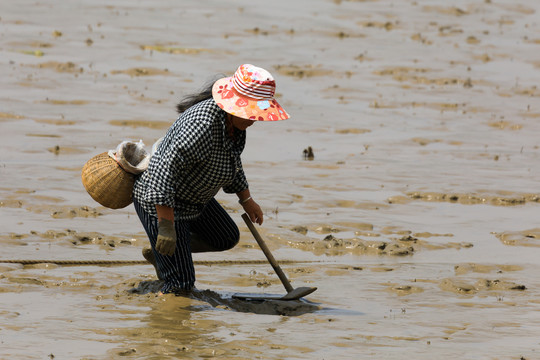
[(166, 328), (179, 325)]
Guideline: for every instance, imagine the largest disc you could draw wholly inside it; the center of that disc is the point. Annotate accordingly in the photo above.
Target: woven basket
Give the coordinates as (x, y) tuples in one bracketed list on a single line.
[(107, 182)]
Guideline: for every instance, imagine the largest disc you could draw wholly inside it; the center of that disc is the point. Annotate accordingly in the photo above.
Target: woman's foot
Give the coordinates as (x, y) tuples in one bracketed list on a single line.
[(148, 254)]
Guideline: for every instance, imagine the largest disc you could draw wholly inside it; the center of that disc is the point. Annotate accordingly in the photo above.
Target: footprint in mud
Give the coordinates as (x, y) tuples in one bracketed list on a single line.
[(520, 238), (462, 287), (462, 269), (227, 302)]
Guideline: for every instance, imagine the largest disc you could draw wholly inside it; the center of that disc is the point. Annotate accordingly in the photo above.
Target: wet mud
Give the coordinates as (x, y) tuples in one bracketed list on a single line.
[(256, 305), (404, 186)]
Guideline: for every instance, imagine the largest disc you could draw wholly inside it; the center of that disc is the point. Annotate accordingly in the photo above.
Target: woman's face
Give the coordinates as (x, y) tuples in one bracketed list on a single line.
[(241, 124)]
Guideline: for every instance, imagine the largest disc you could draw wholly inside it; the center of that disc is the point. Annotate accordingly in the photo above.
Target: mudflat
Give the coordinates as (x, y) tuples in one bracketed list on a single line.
[(414, 212)]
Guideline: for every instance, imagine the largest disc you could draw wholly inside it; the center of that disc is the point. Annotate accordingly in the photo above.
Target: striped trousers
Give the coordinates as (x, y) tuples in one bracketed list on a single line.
[(214, 227)]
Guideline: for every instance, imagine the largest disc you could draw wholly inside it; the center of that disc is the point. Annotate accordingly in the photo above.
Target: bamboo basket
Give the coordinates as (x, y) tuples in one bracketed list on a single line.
[(107, 182)]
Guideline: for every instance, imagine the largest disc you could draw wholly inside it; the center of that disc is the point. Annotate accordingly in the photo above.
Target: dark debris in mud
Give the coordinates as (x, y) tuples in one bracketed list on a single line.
[(403, 246), (80, 238), (469, 199)]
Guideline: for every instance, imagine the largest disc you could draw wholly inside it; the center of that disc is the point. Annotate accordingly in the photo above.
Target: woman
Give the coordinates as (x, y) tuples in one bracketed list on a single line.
[(199, 155)]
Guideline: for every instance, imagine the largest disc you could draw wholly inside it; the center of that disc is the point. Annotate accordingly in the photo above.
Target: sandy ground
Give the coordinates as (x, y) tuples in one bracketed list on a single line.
[(417, 219)]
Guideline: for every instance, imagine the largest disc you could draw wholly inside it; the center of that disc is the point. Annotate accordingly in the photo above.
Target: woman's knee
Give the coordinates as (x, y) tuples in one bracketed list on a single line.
[(213, 242), (233, 239)]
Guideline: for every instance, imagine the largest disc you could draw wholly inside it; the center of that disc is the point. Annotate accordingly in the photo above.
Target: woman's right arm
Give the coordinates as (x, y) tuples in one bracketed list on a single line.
[(165, 212)]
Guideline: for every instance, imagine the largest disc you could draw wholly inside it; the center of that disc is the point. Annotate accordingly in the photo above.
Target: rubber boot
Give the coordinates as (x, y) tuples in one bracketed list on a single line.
[(148, 254)]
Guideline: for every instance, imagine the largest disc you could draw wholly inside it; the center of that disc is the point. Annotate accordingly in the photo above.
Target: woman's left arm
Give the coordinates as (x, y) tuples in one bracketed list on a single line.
[(251, 208)]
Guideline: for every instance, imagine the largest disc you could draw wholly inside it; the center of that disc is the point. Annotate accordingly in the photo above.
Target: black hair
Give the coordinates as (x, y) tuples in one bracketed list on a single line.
[(205, 93)]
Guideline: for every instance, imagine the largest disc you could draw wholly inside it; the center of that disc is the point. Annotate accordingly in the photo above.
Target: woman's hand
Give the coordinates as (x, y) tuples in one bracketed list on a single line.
[(254, 211), (166, 239)]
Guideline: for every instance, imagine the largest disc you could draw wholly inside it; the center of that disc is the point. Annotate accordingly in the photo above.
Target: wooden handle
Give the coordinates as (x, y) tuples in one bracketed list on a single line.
[(268, 254)]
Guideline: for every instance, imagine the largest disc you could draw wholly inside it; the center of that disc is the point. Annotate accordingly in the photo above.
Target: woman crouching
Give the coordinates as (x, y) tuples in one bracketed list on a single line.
[(199, 155)]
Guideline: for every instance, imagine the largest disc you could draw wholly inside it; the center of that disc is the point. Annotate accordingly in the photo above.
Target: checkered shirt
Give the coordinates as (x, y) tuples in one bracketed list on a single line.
[(195, 160)]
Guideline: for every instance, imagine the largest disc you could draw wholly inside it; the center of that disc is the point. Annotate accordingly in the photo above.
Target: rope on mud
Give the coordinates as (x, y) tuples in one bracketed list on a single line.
[(144, 262)]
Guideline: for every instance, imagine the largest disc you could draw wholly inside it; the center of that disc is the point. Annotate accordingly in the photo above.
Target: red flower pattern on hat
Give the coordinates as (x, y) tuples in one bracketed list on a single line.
[(241, 102), (227, 94)]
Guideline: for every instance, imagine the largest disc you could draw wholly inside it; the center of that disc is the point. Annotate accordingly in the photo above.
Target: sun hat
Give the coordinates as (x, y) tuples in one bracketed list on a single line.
[(249, 94)]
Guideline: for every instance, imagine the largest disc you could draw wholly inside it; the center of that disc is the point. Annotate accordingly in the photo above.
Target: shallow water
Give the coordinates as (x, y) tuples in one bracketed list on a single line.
[(416, 219)]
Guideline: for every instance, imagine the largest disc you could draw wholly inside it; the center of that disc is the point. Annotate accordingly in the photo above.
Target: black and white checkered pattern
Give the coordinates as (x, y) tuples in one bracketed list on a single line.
[(195, 160)]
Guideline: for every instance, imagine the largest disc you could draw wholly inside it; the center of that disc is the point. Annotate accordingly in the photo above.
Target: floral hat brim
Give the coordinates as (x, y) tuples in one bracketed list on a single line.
[(227, 96)]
